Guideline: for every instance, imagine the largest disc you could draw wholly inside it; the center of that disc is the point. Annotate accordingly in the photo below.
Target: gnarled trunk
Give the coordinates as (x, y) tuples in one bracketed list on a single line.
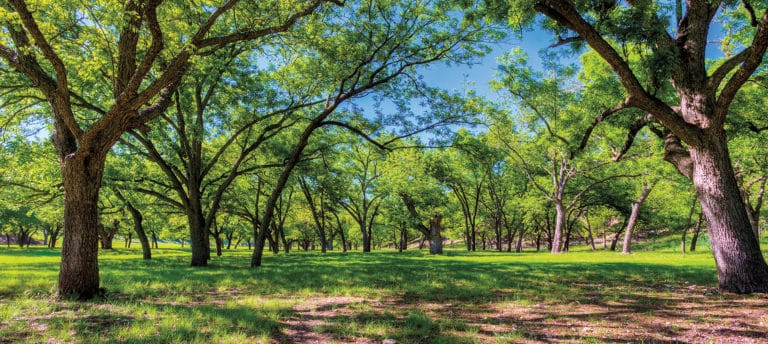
[(740, 265)]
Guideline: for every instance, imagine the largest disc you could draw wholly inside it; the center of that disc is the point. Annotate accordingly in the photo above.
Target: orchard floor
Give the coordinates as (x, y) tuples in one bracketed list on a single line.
[(650, 296)]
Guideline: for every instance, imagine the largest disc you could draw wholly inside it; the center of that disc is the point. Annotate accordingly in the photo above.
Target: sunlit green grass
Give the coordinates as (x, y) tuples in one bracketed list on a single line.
[(164, 300)]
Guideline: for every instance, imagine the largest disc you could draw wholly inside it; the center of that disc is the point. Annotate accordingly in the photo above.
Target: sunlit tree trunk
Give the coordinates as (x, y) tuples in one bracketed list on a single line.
[(633, 217)]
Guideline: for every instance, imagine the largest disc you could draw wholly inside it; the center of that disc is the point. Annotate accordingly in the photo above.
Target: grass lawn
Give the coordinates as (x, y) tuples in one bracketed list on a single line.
[(485, 297)]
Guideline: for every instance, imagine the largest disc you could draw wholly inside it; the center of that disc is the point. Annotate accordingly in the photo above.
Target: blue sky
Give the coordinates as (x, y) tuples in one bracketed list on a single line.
[(478, 76)]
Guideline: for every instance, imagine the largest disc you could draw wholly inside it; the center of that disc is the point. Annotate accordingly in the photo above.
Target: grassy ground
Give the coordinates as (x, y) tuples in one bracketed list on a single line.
[(484, 297)]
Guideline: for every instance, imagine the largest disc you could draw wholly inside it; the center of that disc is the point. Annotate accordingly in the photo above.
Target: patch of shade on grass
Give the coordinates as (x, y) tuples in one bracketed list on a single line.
[(410, 297)]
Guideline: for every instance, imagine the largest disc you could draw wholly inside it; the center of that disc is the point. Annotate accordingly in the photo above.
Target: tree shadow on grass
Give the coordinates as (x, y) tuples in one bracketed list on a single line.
[(171, 323), (346, 322), (463, 284), (411, 277)]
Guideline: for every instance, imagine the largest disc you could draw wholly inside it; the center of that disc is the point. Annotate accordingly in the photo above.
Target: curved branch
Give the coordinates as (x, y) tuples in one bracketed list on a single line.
[(599, 119), (722, 71), (357, 132), (633, 130), (31, 25), (564, 13), (752, 60)]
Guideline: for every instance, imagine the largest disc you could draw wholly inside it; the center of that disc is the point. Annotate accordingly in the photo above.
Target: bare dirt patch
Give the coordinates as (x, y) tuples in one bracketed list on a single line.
[(689, 314)]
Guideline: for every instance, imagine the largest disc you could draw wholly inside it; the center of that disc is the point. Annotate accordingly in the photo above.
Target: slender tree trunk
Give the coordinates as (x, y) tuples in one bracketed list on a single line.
[(128, 238), (590, 237), (741, 267), (106, 236), (605, 237), (219, 245), (538, 242), (557, 239), (635, 215), (510, 234), (21, 236), (138, 225), (498, 232), (688, 224), (615, 239), (519, 245), (435, 238), (696, 232), (753, 212), (286, 243)]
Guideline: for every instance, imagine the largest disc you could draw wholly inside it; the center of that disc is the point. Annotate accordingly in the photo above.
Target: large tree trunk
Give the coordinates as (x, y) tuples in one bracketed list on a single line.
[(79, 274), (198, 235), (740, 265), (366, 239)]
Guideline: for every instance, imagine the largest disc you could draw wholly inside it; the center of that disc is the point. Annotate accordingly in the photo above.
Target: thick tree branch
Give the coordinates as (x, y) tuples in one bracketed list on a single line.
[(752, 60), (563, 12), (414, 214), (41, 42), (217, 42), (140, 72), (722, 71)]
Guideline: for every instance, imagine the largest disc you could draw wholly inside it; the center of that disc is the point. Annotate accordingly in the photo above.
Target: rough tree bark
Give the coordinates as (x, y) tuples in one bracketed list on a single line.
[(704, 98), (137, 99)]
